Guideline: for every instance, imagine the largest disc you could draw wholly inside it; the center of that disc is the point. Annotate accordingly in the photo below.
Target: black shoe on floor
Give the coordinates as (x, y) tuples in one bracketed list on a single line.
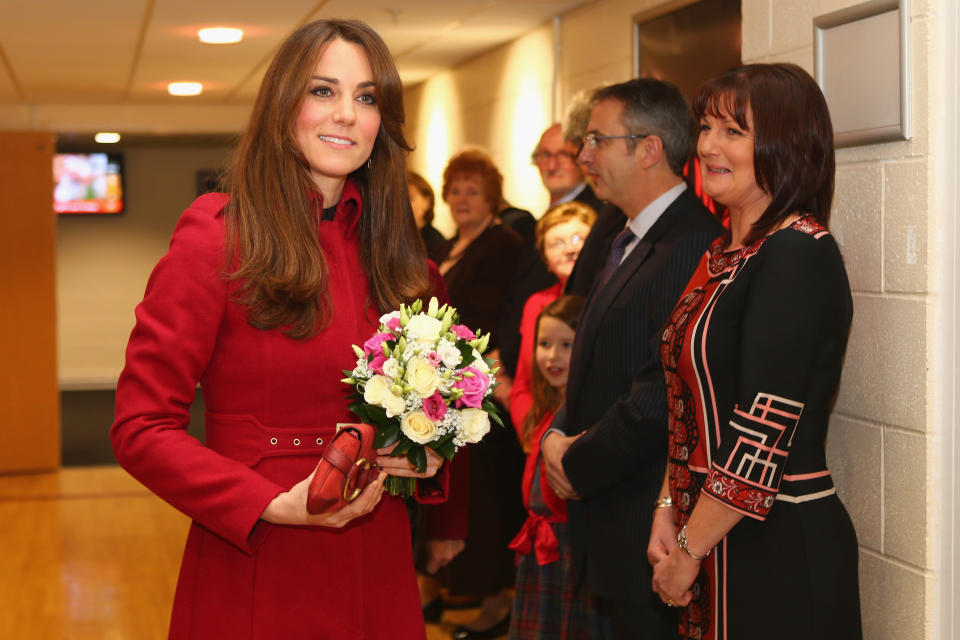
[(497, 630)]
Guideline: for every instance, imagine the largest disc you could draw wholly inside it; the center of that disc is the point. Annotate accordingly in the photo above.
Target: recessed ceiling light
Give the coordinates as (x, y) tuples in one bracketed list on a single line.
[(107, 138), (220, 35), (184, 88)]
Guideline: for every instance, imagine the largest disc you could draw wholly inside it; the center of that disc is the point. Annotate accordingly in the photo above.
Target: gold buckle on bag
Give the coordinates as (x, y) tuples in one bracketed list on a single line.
[(365, 465)]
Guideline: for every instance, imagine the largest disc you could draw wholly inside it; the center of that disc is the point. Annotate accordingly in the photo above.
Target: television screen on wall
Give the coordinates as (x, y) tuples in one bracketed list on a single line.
[(88, 183)]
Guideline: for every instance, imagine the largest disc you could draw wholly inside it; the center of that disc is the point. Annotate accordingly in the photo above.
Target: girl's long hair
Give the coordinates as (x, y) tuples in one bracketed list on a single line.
[(273, 251), (547, 398)]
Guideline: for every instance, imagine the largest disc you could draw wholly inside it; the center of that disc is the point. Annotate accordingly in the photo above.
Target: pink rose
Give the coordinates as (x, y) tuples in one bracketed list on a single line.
[(474, 388), (463, 331), (375, 346), (376, 365), (434, 358), (434, 407), (393, 324)]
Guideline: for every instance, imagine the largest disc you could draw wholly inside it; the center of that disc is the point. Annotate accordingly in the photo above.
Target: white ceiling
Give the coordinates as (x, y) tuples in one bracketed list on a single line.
[(126, 51)]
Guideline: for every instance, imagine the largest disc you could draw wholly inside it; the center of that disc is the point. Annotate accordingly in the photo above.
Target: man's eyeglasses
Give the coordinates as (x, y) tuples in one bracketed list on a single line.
[(593, 140), (543, 157)]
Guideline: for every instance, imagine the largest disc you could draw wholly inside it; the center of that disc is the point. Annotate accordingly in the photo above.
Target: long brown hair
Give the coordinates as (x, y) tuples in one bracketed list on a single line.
[(793, 157), (281, 273), (546, 397)]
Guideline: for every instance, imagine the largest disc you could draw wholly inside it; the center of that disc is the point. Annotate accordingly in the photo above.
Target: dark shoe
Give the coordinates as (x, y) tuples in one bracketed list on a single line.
[(497, 630), (433, 610)]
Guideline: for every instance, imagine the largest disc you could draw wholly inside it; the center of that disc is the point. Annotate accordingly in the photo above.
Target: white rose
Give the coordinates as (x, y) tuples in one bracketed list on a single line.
[(378, 391), (449, 354), (423, 327), (391, 368), (387, 317), (478, 362), (418, 427), (394, 405), (474, 424), (422, 377)]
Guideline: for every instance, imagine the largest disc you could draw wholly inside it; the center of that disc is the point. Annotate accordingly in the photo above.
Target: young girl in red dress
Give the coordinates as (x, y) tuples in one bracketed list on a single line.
[(545, 603)]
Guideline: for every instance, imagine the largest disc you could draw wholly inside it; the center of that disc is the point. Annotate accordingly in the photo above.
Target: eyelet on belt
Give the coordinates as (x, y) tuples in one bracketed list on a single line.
[(296, 442), (273, 441), (319, 441)]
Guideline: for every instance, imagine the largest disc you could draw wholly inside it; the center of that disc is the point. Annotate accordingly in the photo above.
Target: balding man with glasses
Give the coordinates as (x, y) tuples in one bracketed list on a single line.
[(606, 451)]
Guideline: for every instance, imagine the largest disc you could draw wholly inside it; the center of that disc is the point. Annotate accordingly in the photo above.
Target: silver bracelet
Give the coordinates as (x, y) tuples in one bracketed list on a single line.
[(682, 543)]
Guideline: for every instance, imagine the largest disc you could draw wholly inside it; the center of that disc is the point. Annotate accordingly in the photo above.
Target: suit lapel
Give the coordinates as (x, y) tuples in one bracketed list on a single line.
[(601, 300)]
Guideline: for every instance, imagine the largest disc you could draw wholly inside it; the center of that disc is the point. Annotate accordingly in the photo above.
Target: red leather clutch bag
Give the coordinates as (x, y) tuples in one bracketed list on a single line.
[(346, 466)]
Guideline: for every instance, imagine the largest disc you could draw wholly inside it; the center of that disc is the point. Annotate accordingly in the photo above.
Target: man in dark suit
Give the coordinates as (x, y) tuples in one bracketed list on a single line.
[(606, 451)]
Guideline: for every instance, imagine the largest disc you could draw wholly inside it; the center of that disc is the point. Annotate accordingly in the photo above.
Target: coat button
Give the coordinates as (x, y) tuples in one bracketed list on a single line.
[(296, 442), (273, 441), (319, 441)]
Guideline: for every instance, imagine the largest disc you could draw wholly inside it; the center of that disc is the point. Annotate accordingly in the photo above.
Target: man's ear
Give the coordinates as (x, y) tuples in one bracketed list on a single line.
[(649, 151)]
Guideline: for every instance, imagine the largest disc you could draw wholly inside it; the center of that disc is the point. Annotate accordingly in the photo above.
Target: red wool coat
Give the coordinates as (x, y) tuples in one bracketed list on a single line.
[(270, 401)]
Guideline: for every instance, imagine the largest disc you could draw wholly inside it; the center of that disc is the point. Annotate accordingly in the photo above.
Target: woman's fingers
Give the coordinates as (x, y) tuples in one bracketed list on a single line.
[(401, 466), (361, 506)]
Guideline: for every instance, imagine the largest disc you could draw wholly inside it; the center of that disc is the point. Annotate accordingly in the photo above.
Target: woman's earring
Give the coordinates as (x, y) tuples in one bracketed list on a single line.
[(369, 162)]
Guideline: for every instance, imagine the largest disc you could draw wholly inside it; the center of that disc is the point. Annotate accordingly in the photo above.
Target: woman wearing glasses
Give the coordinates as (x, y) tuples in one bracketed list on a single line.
[(560, 235)]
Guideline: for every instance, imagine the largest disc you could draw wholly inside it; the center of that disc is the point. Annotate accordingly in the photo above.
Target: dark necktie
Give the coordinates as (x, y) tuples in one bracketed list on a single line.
[(617, 250)]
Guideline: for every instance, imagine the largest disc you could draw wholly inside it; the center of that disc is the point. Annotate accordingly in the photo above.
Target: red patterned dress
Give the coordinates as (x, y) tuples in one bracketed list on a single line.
[(752, 355)]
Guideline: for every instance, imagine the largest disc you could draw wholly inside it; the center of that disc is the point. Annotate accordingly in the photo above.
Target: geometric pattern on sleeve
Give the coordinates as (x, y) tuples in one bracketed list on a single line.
[(749, 479)]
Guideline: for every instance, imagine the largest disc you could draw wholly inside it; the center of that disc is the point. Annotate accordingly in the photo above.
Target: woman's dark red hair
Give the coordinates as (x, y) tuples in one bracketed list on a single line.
[(793, 155)]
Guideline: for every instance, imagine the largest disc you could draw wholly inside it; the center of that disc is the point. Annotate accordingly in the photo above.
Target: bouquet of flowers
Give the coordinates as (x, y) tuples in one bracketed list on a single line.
[(423, 382)]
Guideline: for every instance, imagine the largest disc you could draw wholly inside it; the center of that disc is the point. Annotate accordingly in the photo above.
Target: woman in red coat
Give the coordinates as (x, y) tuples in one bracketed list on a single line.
[(258, 300)]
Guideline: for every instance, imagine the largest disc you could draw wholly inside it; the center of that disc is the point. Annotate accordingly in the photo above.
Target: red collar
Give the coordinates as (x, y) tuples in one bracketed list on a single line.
[(348, 209)]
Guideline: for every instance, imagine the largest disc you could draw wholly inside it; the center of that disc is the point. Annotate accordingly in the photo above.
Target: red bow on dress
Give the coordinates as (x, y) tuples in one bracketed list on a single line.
[(538, 535)]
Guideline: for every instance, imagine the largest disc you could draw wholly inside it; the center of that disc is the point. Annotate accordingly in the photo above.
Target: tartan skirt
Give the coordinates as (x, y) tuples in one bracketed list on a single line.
[(546, 603)]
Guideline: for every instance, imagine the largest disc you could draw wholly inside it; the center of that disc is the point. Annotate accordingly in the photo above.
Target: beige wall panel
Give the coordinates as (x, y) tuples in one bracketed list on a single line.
[(891, 600), (596, 35), (884, 376), (905, 497), (854, 451), (594, 77), (905, 238), (857, 224), (791, 24), (28, 380), (755, 29), (802, 57)]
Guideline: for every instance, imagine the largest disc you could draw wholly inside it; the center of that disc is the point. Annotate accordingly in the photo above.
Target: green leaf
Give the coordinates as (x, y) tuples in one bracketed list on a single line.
[(386, 436), (492, 410), (418, 457), (466, 352), (446, 449)]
